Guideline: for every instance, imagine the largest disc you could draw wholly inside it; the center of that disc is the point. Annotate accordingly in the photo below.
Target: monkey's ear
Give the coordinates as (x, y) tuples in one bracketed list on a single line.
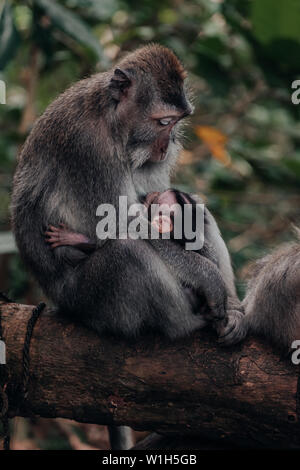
[(119, 84)]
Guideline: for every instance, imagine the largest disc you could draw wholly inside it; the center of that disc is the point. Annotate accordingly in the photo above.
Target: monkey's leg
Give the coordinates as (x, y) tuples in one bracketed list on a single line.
[(69, 246), (62, 236)]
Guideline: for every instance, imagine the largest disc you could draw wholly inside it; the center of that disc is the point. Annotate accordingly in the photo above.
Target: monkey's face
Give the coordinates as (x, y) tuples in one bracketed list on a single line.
[(154, 140), (154, 135), (152, 101)]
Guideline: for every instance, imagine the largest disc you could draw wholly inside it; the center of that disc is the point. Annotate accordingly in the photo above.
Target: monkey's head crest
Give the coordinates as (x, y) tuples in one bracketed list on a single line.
[(155, 72)]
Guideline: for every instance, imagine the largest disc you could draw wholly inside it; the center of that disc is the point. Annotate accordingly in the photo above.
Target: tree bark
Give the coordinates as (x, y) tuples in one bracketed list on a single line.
[(247, 394)]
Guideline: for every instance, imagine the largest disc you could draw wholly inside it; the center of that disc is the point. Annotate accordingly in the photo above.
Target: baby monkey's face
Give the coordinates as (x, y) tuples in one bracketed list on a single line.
[(162, 208)]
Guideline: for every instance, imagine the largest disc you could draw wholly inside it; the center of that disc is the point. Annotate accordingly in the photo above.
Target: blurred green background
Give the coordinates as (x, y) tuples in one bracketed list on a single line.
[(242, 149)]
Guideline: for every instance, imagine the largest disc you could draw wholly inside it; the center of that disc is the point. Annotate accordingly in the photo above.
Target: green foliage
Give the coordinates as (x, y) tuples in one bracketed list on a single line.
[(70, 24), (273, 20), (276, 25), (8, 34)]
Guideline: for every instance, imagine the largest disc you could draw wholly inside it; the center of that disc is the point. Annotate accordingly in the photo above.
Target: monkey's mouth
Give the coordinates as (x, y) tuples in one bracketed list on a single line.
[(159, 149), (158, 157)]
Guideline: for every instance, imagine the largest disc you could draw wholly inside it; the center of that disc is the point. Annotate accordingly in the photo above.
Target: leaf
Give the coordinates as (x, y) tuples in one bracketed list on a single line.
[(9, 36), (72, 25), (293, 165), (276, 26), (210, 68), (215, 141), (274, 20), (102, 10)]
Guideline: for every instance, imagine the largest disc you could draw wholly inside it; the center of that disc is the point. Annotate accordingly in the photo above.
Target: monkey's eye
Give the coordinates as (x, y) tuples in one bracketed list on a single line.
[(165, 121)]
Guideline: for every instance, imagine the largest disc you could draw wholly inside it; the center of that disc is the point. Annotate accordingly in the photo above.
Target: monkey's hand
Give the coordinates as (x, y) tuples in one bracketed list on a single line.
[(235, 330)]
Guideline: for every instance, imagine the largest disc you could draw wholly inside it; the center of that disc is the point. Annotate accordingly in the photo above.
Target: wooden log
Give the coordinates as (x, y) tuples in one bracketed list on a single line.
[(247, 394)]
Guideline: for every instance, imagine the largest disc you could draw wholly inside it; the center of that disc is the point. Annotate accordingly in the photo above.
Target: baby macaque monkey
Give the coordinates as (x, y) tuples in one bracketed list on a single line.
[(167, 208), (162, 214)]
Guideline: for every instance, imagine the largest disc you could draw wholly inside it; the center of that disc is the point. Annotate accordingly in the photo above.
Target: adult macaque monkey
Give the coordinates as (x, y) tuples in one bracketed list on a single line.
[(115, 134)]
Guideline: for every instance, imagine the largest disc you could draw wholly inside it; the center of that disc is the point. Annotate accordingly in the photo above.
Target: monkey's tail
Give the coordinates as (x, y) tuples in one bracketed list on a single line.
[(120, 437)]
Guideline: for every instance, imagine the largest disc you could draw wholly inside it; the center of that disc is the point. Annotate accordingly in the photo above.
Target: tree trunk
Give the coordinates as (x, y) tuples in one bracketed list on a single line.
[(246, 394)]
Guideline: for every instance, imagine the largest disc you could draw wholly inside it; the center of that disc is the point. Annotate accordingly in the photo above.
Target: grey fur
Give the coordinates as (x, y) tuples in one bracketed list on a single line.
[(272, 301)]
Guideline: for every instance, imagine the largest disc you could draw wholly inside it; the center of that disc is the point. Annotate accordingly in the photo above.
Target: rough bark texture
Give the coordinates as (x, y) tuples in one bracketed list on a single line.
[(246, 394)]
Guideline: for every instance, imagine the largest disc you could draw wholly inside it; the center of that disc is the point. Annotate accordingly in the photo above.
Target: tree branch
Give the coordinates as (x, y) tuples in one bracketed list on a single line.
[(246, 394)]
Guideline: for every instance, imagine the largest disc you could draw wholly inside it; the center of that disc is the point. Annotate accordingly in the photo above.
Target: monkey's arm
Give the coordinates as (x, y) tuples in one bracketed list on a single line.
[(212, 237), (234, 307)]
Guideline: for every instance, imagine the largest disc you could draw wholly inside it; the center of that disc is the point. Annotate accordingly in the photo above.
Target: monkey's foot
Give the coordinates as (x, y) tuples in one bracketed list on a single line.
[(235, 330), (62, 236)]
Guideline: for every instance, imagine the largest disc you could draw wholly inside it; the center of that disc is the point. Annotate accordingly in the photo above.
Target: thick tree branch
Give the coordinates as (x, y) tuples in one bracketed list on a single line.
[(247, 394)]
